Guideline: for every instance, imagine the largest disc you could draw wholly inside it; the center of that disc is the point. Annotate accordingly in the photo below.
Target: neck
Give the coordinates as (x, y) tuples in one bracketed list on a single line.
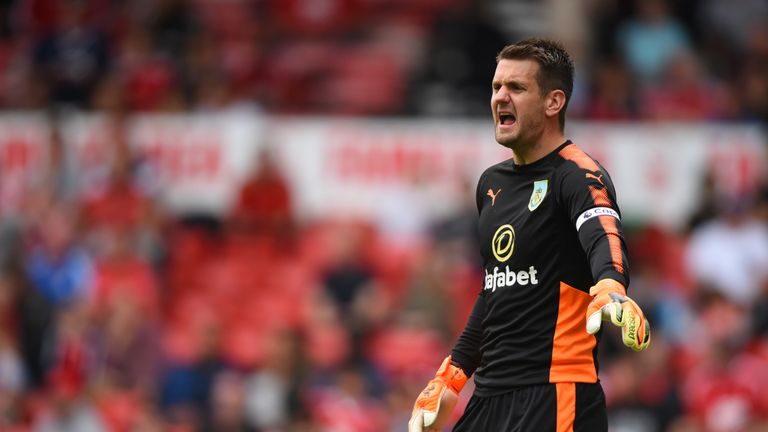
[(528, 153)]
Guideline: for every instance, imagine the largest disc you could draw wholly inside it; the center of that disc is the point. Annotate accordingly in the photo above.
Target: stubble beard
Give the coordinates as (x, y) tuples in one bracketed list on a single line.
[(519, 141), (513, 143), (508, 140)]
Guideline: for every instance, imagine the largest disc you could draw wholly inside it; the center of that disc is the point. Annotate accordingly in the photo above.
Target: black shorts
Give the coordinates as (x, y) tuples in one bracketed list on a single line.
[(561, 407)]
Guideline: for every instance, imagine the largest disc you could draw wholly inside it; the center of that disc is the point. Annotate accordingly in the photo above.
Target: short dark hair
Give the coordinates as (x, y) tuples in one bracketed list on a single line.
[(555, 65)]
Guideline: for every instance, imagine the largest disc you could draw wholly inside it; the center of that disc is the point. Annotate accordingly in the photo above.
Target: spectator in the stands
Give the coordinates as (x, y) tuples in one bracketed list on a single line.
[(73, 56), (57, 264), (684, 93), (730, 253), (652, 39), (264, 203)]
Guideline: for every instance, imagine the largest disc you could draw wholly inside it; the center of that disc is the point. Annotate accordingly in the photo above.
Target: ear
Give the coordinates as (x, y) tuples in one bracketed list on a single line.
[(554, 103)]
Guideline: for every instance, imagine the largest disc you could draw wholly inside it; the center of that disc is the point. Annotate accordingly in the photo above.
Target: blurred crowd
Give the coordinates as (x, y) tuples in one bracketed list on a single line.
[(655, 59), (116, 315)]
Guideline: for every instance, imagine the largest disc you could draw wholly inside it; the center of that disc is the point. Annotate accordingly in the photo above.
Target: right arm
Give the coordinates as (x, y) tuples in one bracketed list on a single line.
[(435, 403), (466, 353)]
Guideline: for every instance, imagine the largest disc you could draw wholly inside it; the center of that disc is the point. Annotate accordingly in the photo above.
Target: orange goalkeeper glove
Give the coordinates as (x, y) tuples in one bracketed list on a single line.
[(610, 301), (434, 405)]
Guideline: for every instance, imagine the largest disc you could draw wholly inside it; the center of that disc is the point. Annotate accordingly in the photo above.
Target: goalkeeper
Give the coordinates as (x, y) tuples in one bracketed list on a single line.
[(555, 268)]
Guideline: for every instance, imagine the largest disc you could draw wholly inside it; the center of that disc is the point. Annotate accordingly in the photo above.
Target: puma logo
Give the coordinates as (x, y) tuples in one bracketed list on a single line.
[(493, 195), (599, 178)]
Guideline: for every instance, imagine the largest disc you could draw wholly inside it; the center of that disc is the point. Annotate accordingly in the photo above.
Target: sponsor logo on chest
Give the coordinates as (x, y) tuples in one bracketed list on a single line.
[(502, 246), (508, 278)]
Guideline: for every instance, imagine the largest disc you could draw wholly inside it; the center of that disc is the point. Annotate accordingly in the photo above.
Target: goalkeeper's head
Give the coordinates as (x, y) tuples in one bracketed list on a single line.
[(556, 68)]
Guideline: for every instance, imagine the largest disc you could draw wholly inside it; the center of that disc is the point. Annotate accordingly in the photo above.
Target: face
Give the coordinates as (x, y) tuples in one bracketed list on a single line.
[(517, 103)]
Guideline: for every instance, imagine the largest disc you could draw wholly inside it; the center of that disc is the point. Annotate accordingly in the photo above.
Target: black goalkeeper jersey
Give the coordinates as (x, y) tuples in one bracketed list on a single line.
[(549, 230)]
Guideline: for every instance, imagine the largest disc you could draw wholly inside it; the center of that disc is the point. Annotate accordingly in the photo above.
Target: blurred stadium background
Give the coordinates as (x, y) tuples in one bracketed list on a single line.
[(257, 215)]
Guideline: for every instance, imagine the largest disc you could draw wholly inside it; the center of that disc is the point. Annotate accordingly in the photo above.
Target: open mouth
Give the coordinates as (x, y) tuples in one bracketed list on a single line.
[(506, 118)]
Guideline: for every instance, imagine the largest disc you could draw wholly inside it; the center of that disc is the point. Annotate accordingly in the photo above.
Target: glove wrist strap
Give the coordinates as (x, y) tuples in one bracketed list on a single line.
[(606, 286), (453, 376)]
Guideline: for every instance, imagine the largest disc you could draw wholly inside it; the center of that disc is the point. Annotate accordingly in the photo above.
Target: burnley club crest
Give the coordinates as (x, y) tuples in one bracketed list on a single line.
[(539, 192)]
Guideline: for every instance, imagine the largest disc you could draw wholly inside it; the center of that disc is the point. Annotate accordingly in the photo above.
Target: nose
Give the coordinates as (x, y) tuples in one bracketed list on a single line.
[(500, 96)]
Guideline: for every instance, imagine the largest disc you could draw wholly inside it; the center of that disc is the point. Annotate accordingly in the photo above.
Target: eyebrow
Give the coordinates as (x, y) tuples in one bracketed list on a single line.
[(511, 83)]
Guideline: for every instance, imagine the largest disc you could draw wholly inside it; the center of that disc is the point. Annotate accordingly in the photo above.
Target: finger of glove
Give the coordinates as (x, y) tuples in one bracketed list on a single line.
[(646, 340), (594, 322), (631, 340), (636, 332), (430, 417), (436, 421), (416, 424), (427, 405), (605, 300), (615, 311), (595, 312), (611, 311)]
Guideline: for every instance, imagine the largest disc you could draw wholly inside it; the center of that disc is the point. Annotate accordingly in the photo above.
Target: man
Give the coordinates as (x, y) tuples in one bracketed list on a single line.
[(555, 267)]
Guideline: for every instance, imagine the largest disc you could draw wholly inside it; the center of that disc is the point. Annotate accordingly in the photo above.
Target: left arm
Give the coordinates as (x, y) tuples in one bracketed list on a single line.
[(590, 199)]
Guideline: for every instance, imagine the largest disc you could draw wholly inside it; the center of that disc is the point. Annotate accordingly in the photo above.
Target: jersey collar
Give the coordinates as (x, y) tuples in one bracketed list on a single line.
[(543, 161)]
